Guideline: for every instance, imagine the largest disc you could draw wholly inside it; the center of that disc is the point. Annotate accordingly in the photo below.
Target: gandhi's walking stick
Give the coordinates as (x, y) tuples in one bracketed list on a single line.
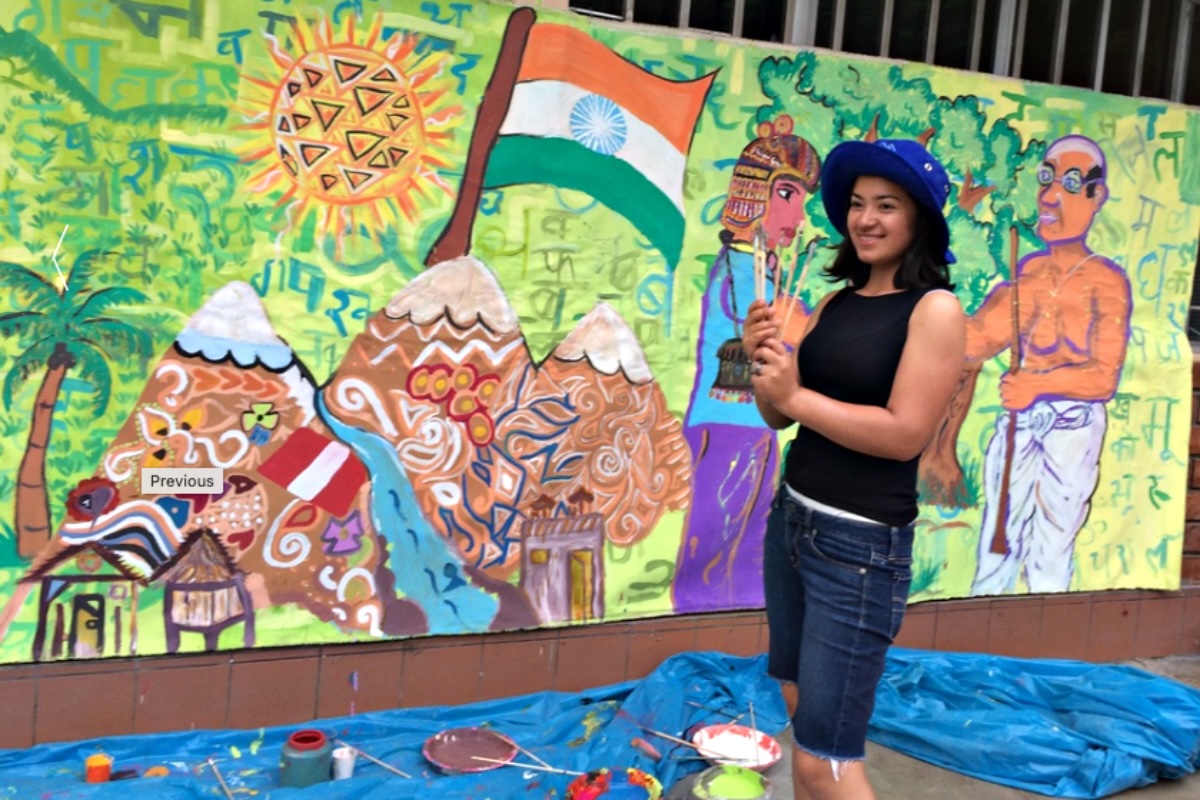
[(1000, 534)]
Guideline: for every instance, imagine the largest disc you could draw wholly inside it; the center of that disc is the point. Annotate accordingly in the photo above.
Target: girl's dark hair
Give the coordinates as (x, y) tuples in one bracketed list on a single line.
[(922, 267)]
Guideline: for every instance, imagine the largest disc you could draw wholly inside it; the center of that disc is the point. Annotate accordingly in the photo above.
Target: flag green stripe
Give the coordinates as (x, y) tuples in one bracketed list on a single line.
[(611, 181)]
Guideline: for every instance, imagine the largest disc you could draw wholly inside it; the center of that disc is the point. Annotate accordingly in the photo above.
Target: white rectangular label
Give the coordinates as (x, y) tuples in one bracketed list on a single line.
[(182, 480)]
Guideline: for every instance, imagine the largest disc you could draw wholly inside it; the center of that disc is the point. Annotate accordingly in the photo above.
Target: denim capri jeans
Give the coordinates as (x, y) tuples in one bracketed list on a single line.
[(835, 590)]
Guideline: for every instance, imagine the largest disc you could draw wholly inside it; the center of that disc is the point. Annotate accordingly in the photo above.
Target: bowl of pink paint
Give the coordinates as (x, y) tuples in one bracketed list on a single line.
[(465, 749), (735, 745)]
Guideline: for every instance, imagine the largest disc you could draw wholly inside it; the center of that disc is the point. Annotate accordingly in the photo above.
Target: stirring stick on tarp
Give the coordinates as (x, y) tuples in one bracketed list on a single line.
[(753, 727), (213, 765), (732, 717), (534, 767), (674, 739), (532, 755), (374, 760)]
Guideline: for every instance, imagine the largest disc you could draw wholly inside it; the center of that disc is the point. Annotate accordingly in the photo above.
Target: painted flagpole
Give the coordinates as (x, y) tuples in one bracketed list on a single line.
[(455, 239)]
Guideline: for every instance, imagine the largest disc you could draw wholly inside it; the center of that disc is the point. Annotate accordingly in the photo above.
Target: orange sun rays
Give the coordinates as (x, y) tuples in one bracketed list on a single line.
[(350, 130)]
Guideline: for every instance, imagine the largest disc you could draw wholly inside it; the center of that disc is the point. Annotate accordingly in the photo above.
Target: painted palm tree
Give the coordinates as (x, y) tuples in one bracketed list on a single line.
[(61, 329)]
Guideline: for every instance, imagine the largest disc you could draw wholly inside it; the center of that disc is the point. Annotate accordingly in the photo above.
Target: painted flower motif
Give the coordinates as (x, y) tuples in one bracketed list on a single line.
[(430, 382), (91, 498), (259, 421), (480, 429), (485, 388), (464, 377), (88, 562), (463, 393), (343, 537), (463, 406)]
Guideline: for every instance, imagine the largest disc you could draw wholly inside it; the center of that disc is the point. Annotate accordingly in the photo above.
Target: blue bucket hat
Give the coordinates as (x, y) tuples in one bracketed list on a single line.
[(900, 161)]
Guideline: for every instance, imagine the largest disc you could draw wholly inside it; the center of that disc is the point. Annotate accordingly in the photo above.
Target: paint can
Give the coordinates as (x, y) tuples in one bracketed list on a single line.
[(615, 784), (306, 759), (343, 763), (454, 751), (725, 782), (97, 768)]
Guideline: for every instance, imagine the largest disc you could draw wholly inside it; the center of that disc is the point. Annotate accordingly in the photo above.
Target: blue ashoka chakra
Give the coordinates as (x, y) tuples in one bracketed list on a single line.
[(598, 124)]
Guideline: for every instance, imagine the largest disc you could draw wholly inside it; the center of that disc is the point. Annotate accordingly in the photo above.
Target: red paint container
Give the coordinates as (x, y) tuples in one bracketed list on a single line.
[(97, 768)]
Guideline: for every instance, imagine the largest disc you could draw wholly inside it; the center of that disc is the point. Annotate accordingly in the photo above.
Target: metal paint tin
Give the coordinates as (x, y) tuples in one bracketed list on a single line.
[(305, 760)]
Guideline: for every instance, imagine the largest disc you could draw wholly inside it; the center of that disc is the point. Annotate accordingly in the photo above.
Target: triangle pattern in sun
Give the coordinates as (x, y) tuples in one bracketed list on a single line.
[(370, 99), (327, 112), (311, 153), (347, 71), (361, 143), (358, 179)]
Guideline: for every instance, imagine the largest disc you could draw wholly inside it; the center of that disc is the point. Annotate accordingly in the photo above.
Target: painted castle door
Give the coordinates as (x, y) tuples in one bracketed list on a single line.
[(582, 584), (87, 625)]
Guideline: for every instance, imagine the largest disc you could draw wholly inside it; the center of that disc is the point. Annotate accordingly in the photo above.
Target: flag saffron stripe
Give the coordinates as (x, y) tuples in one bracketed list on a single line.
[(557, 52)]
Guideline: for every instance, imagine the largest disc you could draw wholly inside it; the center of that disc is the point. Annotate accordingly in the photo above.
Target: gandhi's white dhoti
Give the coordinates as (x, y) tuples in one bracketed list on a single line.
[(1056, 465)]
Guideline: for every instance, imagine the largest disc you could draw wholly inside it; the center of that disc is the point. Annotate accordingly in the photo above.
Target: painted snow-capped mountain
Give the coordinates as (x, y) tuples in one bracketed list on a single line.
[(604, 340), (490, 438)]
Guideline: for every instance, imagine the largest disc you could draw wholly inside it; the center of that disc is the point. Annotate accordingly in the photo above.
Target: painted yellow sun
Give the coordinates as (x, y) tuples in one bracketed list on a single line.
[(350, 130)]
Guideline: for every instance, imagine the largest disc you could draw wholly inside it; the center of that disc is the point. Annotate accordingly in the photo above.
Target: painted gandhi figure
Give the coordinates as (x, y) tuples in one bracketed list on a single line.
[(1073, 310)]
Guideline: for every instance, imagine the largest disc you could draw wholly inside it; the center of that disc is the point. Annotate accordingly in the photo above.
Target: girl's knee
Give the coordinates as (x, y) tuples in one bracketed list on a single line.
[(820, 777), (816, 770)]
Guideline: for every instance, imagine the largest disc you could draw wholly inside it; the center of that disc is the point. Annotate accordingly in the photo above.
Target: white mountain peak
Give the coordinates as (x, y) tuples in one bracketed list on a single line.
[(235, 312), (233, 325), (464, 288), (608, 343)]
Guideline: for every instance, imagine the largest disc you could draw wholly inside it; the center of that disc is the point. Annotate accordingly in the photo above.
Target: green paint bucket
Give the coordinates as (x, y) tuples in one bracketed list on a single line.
[(305, 760), (727, 782)]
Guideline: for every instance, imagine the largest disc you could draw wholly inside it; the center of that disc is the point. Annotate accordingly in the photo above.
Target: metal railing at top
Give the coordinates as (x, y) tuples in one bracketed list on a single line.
[(1131, 47)]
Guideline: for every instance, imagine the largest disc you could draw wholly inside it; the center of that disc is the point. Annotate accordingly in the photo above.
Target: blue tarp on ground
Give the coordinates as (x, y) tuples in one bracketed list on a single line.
[(1059, 728), (1066, 729), (571, 731)]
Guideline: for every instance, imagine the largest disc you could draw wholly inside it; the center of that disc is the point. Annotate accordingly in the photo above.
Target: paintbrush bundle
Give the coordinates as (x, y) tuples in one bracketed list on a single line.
[(794, 291), (760, 266)]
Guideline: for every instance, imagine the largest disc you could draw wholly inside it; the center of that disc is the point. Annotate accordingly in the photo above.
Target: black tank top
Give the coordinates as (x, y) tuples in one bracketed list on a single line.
[(852, 355)]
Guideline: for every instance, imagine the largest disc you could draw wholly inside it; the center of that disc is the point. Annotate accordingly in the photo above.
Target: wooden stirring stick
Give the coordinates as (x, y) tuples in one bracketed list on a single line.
[(532, 755), (754, 727), (213, 765), (526, 766), (732, 717), (374, 760)]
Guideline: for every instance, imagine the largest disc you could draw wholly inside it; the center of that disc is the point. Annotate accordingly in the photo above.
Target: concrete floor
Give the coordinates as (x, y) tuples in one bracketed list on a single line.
[(898, 777)]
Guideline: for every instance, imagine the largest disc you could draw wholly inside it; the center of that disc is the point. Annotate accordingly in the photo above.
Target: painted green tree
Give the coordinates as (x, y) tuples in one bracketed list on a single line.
[(62, 330), (993, 190)]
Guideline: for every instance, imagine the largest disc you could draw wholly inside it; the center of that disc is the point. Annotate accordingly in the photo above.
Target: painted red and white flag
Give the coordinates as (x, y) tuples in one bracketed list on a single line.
[(318, 469)]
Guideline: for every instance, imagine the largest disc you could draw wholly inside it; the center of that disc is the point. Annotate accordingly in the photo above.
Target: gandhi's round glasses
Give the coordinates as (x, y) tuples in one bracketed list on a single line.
[(1072, 180)]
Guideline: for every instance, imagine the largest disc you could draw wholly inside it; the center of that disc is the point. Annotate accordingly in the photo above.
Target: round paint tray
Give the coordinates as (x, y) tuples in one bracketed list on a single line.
[(725, 782), (454, 750), (737, 746), (619, 784)]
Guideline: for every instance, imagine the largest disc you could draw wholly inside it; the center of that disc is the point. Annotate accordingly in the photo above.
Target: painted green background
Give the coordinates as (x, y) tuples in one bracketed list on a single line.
[(83, 81)]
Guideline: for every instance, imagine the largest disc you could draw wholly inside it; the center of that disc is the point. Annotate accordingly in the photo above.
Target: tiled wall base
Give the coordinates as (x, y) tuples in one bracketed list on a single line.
[(255, 688)]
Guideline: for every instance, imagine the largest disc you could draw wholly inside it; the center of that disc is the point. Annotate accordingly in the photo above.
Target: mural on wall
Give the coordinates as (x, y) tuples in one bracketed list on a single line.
[(452, 294)]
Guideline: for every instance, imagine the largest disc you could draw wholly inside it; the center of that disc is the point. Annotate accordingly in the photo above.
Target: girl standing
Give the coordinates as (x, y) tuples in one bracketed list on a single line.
[(868, 383)]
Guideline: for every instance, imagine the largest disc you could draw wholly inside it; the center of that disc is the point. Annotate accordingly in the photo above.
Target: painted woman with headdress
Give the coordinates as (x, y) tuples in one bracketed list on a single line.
[(735, 456)]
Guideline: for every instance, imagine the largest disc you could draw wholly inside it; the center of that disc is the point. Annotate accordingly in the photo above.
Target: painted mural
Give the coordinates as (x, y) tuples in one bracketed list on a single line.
[(451, 292)]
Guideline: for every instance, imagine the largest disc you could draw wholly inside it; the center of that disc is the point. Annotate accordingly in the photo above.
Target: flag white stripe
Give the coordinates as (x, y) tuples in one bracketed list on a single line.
[(543, 108), (316, 476)]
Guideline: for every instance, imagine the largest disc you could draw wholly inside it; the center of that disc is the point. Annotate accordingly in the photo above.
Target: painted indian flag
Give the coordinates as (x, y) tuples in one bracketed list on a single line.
[(581, 117)]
